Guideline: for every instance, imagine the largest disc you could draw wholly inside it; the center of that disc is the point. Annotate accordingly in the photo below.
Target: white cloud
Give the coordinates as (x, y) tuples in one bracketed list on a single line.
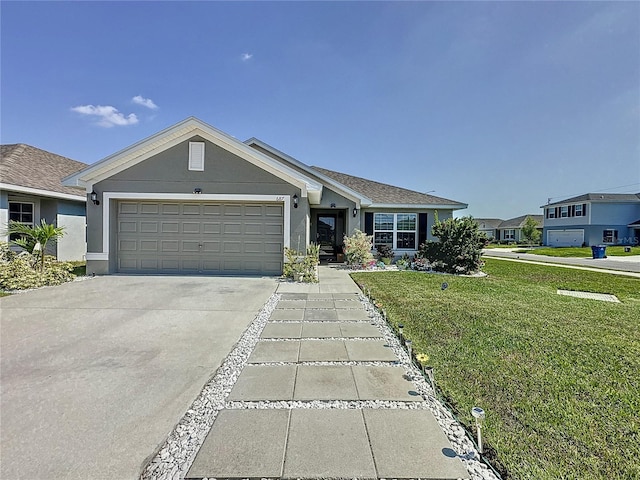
[(246, 57), (145, 102), (108, 116)]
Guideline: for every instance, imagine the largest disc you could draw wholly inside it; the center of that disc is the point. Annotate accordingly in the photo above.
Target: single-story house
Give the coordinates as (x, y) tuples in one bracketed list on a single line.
[(193, 200), (31, 190), (510, 230), (593, 219), (489, 226)]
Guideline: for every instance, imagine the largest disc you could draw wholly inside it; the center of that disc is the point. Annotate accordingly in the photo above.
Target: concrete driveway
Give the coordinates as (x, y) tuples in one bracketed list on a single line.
[(95, 374)]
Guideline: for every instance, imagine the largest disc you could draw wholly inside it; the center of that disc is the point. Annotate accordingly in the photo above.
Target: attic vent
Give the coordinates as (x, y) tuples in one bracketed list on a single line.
[(196, 156)]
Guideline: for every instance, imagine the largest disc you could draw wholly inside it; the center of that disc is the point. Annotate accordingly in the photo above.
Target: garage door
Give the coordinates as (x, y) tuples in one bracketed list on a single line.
[(565, 238), (202, 237)]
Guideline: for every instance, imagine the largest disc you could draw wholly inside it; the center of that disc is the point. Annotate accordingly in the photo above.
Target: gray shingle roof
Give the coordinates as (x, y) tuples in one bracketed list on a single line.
[(26, 166), (518, 222), (382, 193), (600, 198), (488, 222)]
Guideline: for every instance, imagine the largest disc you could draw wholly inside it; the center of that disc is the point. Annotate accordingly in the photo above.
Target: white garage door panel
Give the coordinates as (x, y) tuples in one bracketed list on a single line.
[(565, 238), (188, 237)]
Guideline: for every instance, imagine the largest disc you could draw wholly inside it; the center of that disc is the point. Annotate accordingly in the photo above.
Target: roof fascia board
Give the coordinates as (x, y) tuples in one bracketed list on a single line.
[(43, 193), (361, 200), (419, 206), (176, 134)]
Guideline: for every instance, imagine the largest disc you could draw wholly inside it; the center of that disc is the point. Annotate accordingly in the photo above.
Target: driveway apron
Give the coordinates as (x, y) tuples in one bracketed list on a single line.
[(313, 399), (96, 373)]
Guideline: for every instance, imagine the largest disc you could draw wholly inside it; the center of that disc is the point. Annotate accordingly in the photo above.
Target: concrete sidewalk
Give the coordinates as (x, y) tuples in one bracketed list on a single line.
[(312, 400)]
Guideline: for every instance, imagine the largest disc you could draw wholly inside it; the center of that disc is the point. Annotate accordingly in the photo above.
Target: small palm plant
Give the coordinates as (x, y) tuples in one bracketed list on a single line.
[(35, 239)]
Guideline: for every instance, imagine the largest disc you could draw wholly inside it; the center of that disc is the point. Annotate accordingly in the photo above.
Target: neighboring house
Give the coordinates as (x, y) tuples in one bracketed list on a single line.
[(511, 230), (498, 230), (192, 199), (489, 226), (31, 190), (593, 219)]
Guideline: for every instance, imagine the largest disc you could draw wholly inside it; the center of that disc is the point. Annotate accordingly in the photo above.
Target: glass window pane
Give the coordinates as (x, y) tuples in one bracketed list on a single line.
[(27, 218), (407, 221), (383, 221), (406, 240), (383, 238)]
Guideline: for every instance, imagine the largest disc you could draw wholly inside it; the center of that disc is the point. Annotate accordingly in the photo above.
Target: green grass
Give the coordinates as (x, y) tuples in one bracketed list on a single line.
[(578, 252), (559, 377)]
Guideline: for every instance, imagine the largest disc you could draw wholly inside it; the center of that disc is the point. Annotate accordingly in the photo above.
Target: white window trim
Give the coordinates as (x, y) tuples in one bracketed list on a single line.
[(196, 156), (395, 230), (509, 234), (108, 196)]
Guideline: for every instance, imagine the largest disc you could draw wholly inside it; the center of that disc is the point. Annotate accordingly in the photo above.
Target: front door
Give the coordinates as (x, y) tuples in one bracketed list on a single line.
[(326, 235)]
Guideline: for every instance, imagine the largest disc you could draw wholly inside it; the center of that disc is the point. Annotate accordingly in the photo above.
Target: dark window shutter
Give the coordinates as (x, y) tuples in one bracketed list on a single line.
[(584, 209), (422, 228), (368, 223)]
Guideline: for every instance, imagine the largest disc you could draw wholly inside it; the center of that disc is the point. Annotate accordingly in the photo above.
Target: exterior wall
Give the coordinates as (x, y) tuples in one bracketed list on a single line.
[(72, 216), (614, 214), (167, 173)]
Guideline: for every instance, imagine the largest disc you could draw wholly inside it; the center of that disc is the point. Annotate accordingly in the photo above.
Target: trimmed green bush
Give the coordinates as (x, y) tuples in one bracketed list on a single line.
[(21, 271), (458, 248)]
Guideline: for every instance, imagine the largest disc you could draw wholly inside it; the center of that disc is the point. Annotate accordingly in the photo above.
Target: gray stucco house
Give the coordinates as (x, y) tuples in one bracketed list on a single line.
[(194, 200), (593, 219), (31, 190)]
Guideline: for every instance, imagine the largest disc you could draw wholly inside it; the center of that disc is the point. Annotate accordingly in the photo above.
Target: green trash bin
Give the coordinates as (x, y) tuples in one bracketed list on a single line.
[(599, 251)]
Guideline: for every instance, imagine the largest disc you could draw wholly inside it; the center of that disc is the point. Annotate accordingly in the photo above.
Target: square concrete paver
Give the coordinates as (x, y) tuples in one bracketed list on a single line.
[(328, 382), (353, 329), (349, 304), (320, 315), (346, 296), (292, 315), (320, 304), (322, 351), (259, 382), (243, 443), (320, 330), (369, 351), (284, 304), (384, 383), (294, 296), (352, 314), (266, 352), (411, 444), (320, 296), (282, 330), (328, 444)]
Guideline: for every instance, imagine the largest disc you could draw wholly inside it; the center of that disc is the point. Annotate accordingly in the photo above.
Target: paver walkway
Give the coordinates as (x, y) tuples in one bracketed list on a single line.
[(319, 348)]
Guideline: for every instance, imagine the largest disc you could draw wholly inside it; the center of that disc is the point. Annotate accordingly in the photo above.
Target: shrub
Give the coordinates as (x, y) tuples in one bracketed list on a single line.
[(357, 248), (458, 248), (300, 267), (22, 271), (384, 251)]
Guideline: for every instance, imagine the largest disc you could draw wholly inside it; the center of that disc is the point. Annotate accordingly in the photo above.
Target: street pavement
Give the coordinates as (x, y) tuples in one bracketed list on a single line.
[(613, 264)]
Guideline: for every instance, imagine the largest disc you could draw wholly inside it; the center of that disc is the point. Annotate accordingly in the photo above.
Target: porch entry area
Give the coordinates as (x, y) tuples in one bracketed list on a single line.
[(327, 230)]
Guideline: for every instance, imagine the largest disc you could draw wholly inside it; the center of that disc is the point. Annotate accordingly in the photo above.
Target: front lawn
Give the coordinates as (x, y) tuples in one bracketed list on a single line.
[(557, 376), (578, 252)]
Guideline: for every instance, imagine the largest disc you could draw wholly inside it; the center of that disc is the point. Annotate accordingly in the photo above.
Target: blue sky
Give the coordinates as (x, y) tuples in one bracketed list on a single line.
[(500, 105)]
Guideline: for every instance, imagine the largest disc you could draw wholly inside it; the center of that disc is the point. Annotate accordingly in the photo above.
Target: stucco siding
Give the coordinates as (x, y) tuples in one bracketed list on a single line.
[(72, 246), (614, 214)]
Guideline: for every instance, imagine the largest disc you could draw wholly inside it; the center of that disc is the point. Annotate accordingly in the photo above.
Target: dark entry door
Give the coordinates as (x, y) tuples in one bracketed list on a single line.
[(326, 236)]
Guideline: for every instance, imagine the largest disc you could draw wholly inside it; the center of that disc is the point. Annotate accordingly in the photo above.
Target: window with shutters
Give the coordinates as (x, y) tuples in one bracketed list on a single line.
[(196, 156), (396, 230)]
